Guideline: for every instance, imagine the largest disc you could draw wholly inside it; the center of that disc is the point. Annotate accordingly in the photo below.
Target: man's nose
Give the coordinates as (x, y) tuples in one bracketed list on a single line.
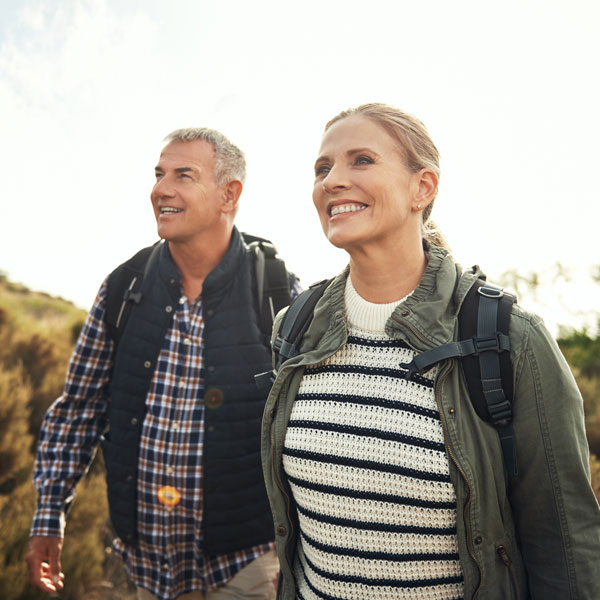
[(163, 187)]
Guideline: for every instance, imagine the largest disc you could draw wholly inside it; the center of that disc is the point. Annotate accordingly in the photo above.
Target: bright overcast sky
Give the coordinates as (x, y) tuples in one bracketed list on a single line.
[(508, 90)]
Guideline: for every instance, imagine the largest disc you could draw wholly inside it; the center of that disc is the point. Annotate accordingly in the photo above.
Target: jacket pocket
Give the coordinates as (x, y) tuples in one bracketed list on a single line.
[(505, 557)]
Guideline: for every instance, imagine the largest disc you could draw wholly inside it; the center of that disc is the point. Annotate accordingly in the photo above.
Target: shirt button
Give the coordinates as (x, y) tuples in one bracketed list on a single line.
[(281, 530), (147, 364), (175, 427), (478, 540), (170, 470), (182, 300), (169, 308), (134, 421), (210, 312), (187, 341), (182, 383), (165, 566)]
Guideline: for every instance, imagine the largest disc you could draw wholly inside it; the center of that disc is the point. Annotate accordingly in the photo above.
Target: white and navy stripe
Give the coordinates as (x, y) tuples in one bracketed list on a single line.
[(365, 458)]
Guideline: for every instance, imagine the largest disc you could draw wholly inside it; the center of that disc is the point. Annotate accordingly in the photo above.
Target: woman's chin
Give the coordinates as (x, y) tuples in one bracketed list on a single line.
[(344, 242)]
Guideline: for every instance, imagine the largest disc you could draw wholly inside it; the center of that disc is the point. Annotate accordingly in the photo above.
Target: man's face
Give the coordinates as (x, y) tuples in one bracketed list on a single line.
[(186, 199)]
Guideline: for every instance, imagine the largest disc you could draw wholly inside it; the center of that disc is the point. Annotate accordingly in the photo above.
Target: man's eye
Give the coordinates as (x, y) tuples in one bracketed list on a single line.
[(322, 170), (364, 160)]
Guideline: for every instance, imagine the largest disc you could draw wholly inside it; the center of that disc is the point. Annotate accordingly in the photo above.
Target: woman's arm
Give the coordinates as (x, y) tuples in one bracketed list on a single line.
[(556, 512)]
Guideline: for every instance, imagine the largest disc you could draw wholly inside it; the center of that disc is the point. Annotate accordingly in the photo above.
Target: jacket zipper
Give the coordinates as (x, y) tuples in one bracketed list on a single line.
[(444, 372), (439, 380), (503, 554), (275, 470)]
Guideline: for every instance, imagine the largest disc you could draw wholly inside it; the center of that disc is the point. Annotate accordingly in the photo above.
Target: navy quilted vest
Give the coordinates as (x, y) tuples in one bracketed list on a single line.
[(236, 510)]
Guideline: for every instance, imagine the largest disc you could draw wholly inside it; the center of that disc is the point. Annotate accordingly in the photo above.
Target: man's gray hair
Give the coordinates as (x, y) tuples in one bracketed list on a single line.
[(230, 162)]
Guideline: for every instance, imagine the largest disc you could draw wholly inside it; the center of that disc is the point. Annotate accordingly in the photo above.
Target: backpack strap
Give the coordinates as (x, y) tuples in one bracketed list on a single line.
[(484, 352), (272, 280), (292, 329), (124, 285)]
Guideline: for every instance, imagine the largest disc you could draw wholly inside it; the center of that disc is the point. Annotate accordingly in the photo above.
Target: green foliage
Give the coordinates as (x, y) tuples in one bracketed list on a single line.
[(16, 510), (37, 334), (582, 351), (15, 439)]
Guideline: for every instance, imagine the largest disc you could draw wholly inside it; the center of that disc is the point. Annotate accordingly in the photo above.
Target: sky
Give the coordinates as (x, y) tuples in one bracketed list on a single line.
[(508, 91)]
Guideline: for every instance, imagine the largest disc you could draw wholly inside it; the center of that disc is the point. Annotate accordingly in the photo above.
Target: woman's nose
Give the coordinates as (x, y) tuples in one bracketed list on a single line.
[(336, 179)]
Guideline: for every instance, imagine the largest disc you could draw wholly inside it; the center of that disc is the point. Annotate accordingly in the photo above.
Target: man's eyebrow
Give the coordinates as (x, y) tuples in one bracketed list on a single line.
[(159, 169)]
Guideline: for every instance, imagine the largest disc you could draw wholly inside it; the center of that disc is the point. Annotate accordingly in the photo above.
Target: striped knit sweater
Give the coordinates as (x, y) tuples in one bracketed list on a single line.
[(364, 455)]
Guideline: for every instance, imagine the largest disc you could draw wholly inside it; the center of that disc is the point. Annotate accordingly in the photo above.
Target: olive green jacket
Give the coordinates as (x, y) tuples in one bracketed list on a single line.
[(542, 539)]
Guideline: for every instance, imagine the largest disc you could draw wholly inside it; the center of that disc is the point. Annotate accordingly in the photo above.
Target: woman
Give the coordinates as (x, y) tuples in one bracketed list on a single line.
[(383, 487)]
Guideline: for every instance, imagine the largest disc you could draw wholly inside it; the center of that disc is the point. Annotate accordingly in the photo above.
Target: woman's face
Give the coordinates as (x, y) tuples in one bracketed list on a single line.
[(363, 192)]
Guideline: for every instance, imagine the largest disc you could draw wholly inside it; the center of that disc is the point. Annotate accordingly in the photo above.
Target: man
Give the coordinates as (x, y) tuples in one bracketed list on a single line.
[(181, 432)]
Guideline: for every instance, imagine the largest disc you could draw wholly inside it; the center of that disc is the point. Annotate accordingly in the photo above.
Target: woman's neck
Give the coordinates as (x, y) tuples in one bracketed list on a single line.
[(382, 274)]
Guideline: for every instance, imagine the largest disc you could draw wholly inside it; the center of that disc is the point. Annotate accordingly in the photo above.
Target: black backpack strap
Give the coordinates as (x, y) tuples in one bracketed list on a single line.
[(292, 329), (272, 279), (124, 285), (484, 352)]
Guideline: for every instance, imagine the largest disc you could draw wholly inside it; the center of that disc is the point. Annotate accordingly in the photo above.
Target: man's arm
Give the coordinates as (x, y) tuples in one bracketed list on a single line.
[(68, 441)]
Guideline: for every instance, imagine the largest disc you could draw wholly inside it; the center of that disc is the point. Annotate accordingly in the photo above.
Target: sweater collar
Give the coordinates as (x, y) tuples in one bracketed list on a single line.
[(425, 319)]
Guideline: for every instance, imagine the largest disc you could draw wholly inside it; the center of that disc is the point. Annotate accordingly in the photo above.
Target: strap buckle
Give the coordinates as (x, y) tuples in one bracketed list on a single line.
[(491, 291)]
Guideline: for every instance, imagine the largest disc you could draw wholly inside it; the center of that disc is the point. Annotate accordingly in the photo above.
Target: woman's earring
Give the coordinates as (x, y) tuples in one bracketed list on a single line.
[(418, 206)]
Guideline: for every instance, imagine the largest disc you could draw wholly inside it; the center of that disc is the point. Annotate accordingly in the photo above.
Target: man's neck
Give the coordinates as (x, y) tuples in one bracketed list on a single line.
[(196, 258)]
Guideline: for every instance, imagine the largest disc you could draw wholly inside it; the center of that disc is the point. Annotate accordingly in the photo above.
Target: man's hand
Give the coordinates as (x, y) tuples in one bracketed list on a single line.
[(43, 560)]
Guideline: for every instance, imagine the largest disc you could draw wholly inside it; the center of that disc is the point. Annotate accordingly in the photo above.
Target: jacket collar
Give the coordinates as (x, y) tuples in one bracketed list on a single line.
[(426, 319)]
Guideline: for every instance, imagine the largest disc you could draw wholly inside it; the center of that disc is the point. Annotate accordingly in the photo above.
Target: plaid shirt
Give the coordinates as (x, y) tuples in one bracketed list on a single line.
[(167, 559)]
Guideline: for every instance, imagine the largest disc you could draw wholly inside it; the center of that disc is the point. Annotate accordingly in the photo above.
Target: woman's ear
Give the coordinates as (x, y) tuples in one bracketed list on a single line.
[(427, 183)]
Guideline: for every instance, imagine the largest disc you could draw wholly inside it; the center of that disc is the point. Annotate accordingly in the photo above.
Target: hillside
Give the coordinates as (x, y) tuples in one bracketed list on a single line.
[(37, 335)]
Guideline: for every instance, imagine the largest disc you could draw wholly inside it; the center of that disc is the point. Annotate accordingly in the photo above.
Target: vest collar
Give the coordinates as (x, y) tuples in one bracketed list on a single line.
[(219, 278), (222, 275)]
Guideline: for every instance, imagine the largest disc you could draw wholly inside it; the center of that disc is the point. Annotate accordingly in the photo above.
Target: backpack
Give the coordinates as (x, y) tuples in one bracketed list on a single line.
[(483, 349), (125, 283)]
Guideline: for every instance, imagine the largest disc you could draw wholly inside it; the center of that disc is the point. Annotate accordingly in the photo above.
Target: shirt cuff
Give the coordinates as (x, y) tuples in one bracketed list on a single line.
[(48, 521)]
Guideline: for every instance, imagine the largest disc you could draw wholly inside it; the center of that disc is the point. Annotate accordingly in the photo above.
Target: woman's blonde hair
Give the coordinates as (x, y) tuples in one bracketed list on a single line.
[(416, 146)]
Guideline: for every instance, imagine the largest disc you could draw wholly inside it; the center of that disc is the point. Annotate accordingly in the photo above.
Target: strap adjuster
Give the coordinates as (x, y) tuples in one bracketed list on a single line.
[(498, 342)]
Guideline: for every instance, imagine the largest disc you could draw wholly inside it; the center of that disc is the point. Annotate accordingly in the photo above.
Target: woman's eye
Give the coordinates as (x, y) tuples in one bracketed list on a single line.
[(322, 170), (364, 160)]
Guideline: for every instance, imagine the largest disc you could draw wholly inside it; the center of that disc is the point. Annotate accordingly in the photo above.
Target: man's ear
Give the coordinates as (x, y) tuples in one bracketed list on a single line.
[(427, 183), (231, 194)]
